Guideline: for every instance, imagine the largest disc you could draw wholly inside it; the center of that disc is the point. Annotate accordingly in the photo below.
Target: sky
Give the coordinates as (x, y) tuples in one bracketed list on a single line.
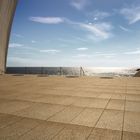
[(90, 33)]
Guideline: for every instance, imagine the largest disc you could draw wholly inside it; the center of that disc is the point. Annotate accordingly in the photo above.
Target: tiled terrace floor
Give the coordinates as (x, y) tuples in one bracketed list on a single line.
[(60, 108)]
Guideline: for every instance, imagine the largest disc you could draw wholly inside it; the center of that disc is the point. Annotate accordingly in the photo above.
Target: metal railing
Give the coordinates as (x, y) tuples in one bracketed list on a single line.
[(62, 71)]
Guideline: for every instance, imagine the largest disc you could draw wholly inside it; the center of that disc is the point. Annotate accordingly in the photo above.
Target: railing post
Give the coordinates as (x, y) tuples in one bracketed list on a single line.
[(61, 71), (25, 70), (82, 73)]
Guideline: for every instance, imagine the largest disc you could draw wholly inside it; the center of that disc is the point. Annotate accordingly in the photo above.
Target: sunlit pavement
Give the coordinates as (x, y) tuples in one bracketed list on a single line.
[(61, 108)]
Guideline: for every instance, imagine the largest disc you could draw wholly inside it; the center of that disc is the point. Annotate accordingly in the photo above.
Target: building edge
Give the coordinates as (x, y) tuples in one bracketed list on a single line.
[(7, 11)]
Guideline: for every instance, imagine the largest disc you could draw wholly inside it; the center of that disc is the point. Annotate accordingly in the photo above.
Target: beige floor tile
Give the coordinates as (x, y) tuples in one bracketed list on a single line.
[(40, 111), (6, 120), (131, 136), (12, 132), (88, 117), (132, 106), (116, 104), (111, 119), (132, 122), (10, 106), (28, 97), (82, 102), (73, 132), (45, 131), (105, 96), (98, 103), (84, 94), (105, 134), (56, 99), (118, 96), (133, 91), (66, 115), (132, 97)]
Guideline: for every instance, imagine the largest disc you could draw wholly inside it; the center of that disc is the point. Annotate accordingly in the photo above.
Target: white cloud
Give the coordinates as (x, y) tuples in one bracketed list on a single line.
[(18, 35), (124, 29), (109, 56), (80, 39), (79, 4), (21, 46), (105, 54), (82, 49), (47, 20), (19, 61), (30, 48), (132, 14), (133, 52), (83, 56), (96, 15), (50, 51), (98, 31), (14, 45), (33, 41), (96, 55)]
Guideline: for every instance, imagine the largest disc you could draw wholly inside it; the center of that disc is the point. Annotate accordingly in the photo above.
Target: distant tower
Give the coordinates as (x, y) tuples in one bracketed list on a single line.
[(7, 10)]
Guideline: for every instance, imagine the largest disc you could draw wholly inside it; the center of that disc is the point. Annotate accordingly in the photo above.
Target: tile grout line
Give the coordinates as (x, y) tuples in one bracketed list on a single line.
[(69, 122), (58, 112), (32, 101), (13, 122), (78, 114), (29, 130), (123, 119), (44, 120), (124, 111), (98, 119), (57, 133), (35, 105)]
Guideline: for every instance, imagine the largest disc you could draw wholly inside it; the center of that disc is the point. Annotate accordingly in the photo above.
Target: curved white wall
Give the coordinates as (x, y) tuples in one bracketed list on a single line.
[(7, 9)]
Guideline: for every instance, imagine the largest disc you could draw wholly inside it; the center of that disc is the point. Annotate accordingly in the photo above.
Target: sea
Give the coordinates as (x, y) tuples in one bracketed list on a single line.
[(75, 71)]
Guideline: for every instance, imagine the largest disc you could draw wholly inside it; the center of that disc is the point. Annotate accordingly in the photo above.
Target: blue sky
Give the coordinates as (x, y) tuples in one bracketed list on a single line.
[(97, 33)]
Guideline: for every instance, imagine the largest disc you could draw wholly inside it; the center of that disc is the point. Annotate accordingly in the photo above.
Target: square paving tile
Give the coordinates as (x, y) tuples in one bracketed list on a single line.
[(28, 97), (133, 91), (118, 96), (132, 97), (6, 119), (40, 111), (66, 115), (9, 106), (88, 117), (73, 132), (105, 96), (12, 132), (105, 134), (111, 119), (116, 104), (131, 136), (98, 103), (82, 93), (45, 131), (82, 102), (132, 106), (56, 99), (132, 122)]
